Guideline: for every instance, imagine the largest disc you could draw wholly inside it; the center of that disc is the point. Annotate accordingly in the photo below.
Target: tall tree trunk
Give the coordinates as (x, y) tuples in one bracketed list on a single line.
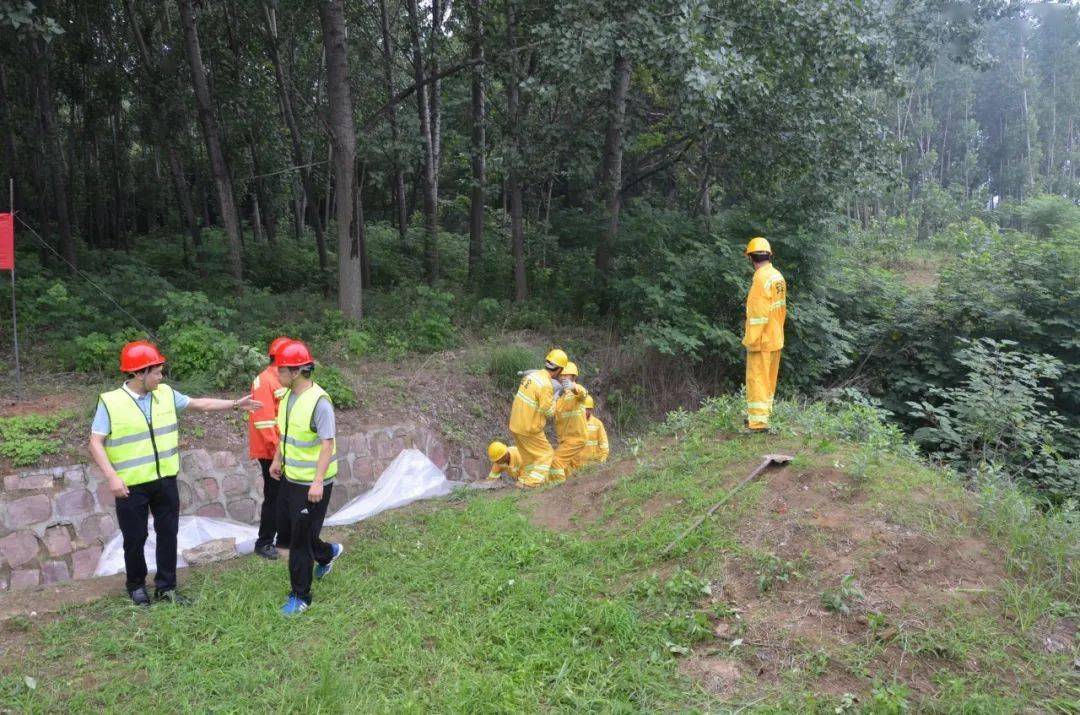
[(165, 137), (434, 89), (54, 161), (297, 144), (264, 213), (1024, 104), (343, 137), (612, 169), (431, 220), (398, 177), (360, 229), (513, 111), (212, 137), (476, 204)]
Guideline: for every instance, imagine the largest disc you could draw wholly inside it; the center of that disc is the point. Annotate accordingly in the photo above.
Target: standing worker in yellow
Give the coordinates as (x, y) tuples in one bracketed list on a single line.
[(766, 310), (533, 405), (569, 425), (504, 460), (596, 441)]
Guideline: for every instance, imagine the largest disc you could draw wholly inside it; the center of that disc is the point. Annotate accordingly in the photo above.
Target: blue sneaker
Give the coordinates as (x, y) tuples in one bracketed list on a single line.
[(320, 570), (293, 607)]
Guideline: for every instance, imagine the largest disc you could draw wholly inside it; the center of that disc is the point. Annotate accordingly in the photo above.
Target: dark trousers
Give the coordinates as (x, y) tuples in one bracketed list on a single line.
[(272, 517), (162, 499), (305, 523)]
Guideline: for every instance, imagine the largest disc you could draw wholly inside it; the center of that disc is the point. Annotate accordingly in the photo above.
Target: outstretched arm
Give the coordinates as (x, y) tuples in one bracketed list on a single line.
[(213, 404)]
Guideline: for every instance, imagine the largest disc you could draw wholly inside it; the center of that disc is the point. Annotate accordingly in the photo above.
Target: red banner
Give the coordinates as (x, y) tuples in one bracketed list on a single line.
[(7, 242)]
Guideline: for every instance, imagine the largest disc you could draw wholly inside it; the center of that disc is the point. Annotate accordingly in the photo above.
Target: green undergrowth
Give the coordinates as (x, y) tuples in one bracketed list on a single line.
[(470, 605)]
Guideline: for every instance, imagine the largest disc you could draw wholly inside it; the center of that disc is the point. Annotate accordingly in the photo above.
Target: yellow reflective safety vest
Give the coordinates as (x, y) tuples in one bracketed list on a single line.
[(570, 416), (596, 441), (766, 311), (533, 403), (142, 450), (300, 444)]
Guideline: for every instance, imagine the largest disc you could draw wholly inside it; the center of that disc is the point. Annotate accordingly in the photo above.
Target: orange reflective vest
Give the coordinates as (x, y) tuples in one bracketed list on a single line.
[(263, 433)]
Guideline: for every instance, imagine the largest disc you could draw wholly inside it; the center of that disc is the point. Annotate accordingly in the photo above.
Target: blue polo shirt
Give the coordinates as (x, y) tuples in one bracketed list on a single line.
[(103, 425)]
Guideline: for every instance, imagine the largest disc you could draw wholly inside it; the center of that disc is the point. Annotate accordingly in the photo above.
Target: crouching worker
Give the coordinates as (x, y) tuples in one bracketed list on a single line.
[(307, 459), (504, 460), (596, 441), (135, 443)]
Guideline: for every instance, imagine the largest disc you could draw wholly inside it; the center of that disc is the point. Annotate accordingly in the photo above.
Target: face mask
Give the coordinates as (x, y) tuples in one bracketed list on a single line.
[(566, 383)]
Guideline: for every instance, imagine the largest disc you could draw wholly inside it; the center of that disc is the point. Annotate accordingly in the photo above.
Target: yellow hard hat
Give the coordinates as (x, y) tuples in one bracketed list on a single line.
[(570, 369), (557, 357), (497, 450), (758, 245), (590, 403)]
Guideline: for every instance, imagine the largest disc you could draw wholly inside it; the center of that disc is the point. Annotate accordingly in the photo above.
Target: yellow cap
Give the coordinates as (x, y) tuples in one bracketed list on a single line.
[(497, 450), (570, 369), (557, 357), (589, 403), (758, 245)]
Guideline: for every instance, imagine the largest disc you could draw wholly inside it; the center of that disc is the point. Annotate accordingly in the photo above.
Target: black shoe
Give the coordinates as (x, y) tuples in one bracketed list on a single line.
[(267, 551), (172, 597), (139, 596)]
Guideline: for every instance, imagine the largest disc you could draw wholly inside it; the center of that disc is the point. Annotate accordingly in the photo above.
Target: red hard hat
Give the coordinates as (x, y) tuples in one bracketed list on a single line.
[(139, 355), (293, 354), (276, 344)]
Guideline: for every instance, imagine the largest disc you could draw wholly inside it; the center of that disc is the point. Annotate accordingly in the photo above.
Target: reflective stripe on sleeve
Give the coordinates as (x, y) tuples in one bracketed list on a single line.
[(757, 321)]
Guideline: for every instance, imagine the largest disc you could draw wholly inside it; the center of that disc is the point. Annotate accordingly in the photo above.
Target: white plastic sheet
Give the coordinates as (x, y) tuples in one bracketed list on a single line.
[(194, 530), (410, 477)]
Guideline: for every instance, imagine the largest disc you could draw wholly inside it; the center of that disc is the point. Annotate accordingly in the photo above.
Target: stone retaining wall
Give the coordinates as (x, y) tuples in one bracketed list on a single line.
[(54, 522)]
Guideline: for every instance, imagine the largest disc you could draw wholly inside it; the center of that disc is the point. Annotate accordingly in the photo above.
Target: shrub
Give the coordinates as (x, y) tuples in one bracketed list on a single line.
[(195, 350), (506, 362), (359, 342), (238, 367), (96, 352), (1000, 416), (331, 380), (25, 439)]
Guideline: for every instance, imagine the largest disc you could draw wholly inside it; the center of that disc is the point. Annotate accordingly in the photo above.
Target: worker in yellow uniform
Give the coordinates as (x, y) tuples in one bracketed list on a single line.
[(504, 460), (569, 424), (596, 441), (534, 405), (766, 309)]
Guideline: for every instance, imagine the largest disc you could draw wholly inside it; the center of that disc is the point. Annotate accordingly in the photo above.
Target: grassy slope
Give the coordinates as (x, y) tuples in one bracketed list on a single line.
[(479, 604)]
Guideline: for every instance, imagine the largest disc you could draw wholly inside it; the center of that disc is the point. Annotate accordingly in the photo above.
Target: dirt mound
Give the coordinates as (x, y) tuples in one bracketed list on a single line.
[(580, 500)]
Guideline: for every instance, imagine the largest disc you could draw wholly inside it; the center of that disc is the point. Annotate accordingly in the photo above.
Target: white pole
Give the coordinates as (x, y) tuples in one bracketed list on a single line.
[(14, 315)]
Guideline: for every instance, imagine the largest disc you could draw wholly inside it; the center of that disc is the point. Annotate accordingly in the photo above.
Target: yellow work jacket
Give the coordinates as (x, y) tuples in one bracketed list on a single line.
[(570, 416), (766, 310), (596, 441), (513, 468), (533, 403)]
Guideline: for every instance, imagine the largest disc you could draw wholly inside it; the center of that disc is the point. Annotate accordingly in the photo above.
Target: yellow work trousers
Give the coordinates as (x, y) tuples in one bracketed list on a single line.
[(761, 371), (536, 458), (569, 456)]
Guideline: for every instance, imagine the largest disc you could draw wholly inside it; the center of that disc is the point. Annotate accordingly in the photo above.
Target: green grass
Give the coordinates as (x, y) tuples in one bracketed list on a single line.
[(468, 606)]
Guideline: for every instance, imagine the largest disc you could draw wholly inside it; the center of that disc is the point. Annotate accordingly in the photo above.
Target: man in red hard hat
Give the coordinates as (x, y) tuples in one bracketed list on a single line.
[(262, 445), (307, 458), (135, 443)]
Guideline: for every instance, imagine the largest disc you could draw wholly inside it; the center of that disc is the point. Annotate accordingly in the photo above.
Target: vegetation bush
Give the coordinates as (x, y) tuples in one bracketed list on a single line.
[(335, 384), (506, 362), (26, 438)]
